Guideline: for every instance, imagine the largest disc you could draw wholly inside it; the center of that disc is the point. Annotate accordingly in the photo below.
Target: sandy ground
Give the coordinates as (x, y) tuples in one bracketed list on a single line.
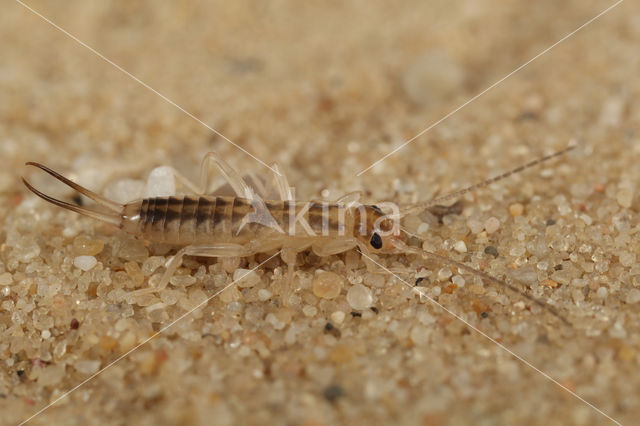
[(326, 89)]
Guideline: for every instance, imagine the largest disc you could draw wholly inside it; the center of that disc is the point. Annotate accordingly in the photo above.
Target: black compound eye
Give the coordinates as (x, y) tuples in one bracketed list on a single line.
[(376, 241)]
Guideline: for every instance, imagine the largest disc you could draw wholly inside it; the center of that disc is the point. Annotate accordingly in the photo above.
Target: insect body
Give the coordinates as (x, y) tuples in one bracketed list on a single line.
[(227, 221), (226, 226), (240, 226)]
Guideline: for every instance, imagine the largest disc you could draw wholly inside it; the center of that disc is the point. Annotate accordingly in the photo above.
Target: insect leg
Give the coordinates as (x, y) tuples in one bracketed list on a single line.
[(282, 184), (208, 250), (238, 185), (212, 250), (350, 198), (230, 174), (257, 184), (328, 248), (289, 256)]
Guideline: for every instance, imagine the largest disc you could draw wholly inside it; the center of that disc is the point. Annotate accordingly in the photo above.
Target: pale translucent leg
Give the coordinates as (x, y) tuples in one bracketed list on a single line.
[(350, 198), (289, 257), (282, 184), (212, 250), (331, 247), (254, 181), (182, 179), (340, 246), (209, 250), (237, 183), (289, 254), (370, 260), (235, 180), (257, 183), (367, 257), (261, 213)]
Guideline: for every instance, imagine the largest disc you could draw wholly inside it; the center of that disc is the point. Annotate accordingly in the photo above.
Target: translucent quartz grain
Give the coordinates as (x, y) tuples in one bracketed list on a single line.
[(161, 182), (327, 285), (516, 209), (87, 366), (310, 311), (133, 250), (135, 273), (475, 226), (275, 322), (246, 278), (182, 280), (517, 250), (633, 296), (231, 294), (423, 228), (230, 264), (460, 247), (624, 197), (359, 297), (491, 225), (458, 280), (86, 246), (444, 274), (6, 278), (338, 317), (264, 295), (586, 219), (170, 297), (151, 264), (627, 258), (526, 274), (374, 280), (197, 296), (50, 375), (85, 263), (26, 250), (602, 293)]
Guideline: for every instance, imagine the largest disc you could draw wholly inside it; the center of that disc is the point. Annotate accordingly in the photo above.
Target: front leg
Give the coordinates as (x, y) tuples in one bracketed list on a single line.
[(333, 246), (367, 257)]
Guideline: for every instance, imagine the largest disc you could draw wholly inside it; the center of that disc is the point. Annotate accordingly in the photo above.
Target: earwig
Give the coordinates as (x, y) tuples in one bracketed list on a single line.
[(247, 224)]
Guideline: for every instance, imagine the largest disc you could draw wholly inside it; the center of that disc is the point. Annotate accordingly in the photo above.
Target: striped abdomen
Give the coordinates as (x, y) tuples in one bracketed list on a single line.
[(198, 220)]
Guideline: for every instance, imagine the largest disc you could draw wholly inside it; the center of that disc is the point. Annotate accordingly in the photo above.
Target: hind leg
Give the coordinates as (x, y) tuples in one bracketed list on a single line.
[(282, 183), (350, 198), (209, 250), (213, 250), (166, 176), (230, 174)]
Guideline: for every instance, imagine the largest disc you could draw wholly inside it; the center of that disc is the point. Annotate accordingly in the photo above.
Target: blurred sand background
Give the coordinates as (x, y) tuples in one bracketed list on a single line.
[(326, 89)]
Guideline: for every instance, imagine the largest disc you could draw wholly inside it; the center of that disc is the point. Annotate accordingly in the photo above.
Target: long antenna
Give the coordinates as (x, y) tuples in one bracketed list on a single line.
[(421, 206), (426, 254)]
